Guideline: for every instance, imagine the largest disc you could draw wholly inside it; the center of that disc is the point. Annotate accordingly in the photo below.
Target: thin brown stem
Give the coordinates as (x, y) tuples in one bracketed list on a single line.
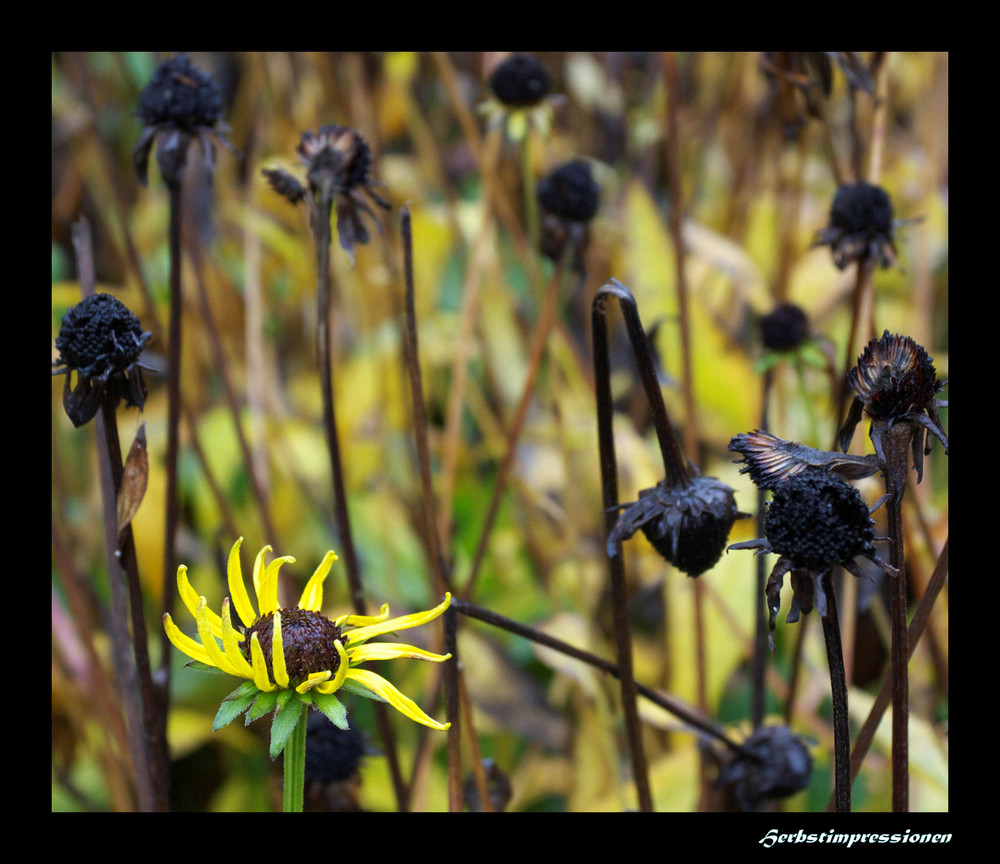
[(838, 689)]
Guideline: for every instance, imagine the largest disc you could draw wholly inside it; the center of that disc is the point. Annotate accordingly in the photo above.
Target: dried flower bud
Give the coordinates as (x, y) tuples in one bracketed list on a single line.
[(101, 340), (687, 524), (520, 81), (285, 184), (784, 328), (776, 764), (894, 380), (861, 226)]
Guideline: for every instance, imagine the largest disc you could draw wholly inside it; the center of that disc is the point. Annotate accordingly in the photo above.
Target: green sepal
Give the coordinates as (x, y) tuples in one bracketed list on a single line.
[(265, 703), (284, 724), (204, 667), (247, 688), (358, 690), (333, 708), (232, 706)]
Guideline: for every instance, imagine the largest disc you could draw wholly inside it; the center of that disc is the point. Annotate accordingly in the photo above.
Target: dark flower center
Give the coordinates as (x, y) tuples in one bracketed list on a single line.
[(816, 519), (862, 208), (182, 94), (520, 81), (570, 191), (98, 335), (307, 639)]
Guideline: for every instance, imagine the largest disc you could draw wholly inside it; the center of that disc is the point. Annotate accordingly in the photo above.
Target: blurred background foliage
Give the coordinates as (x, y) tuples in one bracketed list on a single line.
[(756, 185)]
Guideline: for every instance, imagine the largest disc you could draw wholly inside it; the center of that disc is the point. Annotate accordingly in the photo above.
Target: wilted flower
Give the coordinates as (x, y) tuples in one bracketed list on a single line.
[(296, 652), (569, 197), (784, 328), (861, 226), (688, 523), (775, 763), (338, 164), (101, 340), (894, 381), (771, 460), (815, 520), (179, 103), (521, 87)]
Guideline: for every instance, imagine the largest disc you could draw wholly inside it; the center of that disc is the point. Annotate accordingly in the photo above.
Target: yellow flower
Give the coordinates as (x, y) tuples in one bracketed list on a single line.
[(296, 649)]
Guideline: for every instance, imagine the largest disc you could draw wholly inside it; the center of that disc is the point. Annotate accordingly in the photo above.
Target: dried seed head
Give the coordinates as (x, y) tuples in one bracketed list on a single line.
[(182, 94), (101, 340), (861, 226), (285, 184), (777, 765), (332, 753), (569, 198), (816, 519), (520, 81), (687, 524), (784, 328), (307, 639)]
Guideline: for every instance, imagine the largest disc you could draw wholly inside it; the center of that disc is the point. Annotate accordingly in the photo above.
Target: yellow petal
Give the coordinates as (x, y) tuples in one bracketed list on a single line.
[(267, 590), (185, 643), (363, 620), (231, 644), (403, 704), (314, 679), (335, 683), (406, 621), (217, 658), (278, 653), (258, 573), (260, 678), (312, 594), (238, 588), (390, 651), (191, 598)]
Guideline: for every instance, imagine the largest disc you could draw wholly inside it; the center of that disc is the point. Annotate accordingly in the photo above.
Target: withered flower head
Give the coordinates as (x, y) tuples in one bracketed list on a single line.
[(569, 197), (688, 524), (775, 764), (771, 460), (338, 165), (520, 81), (861, 226), (101, 340), (895, 380), (815, 520), (784, 328), (179, 103)]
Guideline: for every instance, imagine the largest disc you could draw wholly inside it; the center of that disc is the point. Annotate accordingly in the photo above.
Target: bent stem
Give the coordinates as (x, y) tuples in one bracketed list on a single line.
[(295, 766), (838, 688)]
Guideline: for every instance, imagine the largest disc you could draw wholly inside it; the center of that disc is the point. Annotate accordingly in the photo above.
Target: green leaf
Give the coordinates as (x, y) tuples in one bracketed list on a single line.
[(230, 709), (284, 724), (204, 667), (265, 703), (333, 708), (247, 688)]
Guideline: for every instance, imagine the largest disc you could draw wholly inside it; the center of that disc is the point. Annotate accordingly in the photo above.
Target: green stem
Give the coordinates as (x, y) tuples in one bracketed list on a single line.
[(530, 198), (295, 766)]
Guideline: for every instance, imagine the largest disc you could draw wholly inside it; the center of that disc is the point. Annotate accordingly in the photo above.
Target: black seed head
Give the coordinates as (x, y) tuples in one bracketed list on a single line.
[(181, 94), (861, 208), (100, 336), (332, 753), (784, 328), (816, 519), (894, 377), (777, 765), (520, 81), (688, 525), (569, 191)]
